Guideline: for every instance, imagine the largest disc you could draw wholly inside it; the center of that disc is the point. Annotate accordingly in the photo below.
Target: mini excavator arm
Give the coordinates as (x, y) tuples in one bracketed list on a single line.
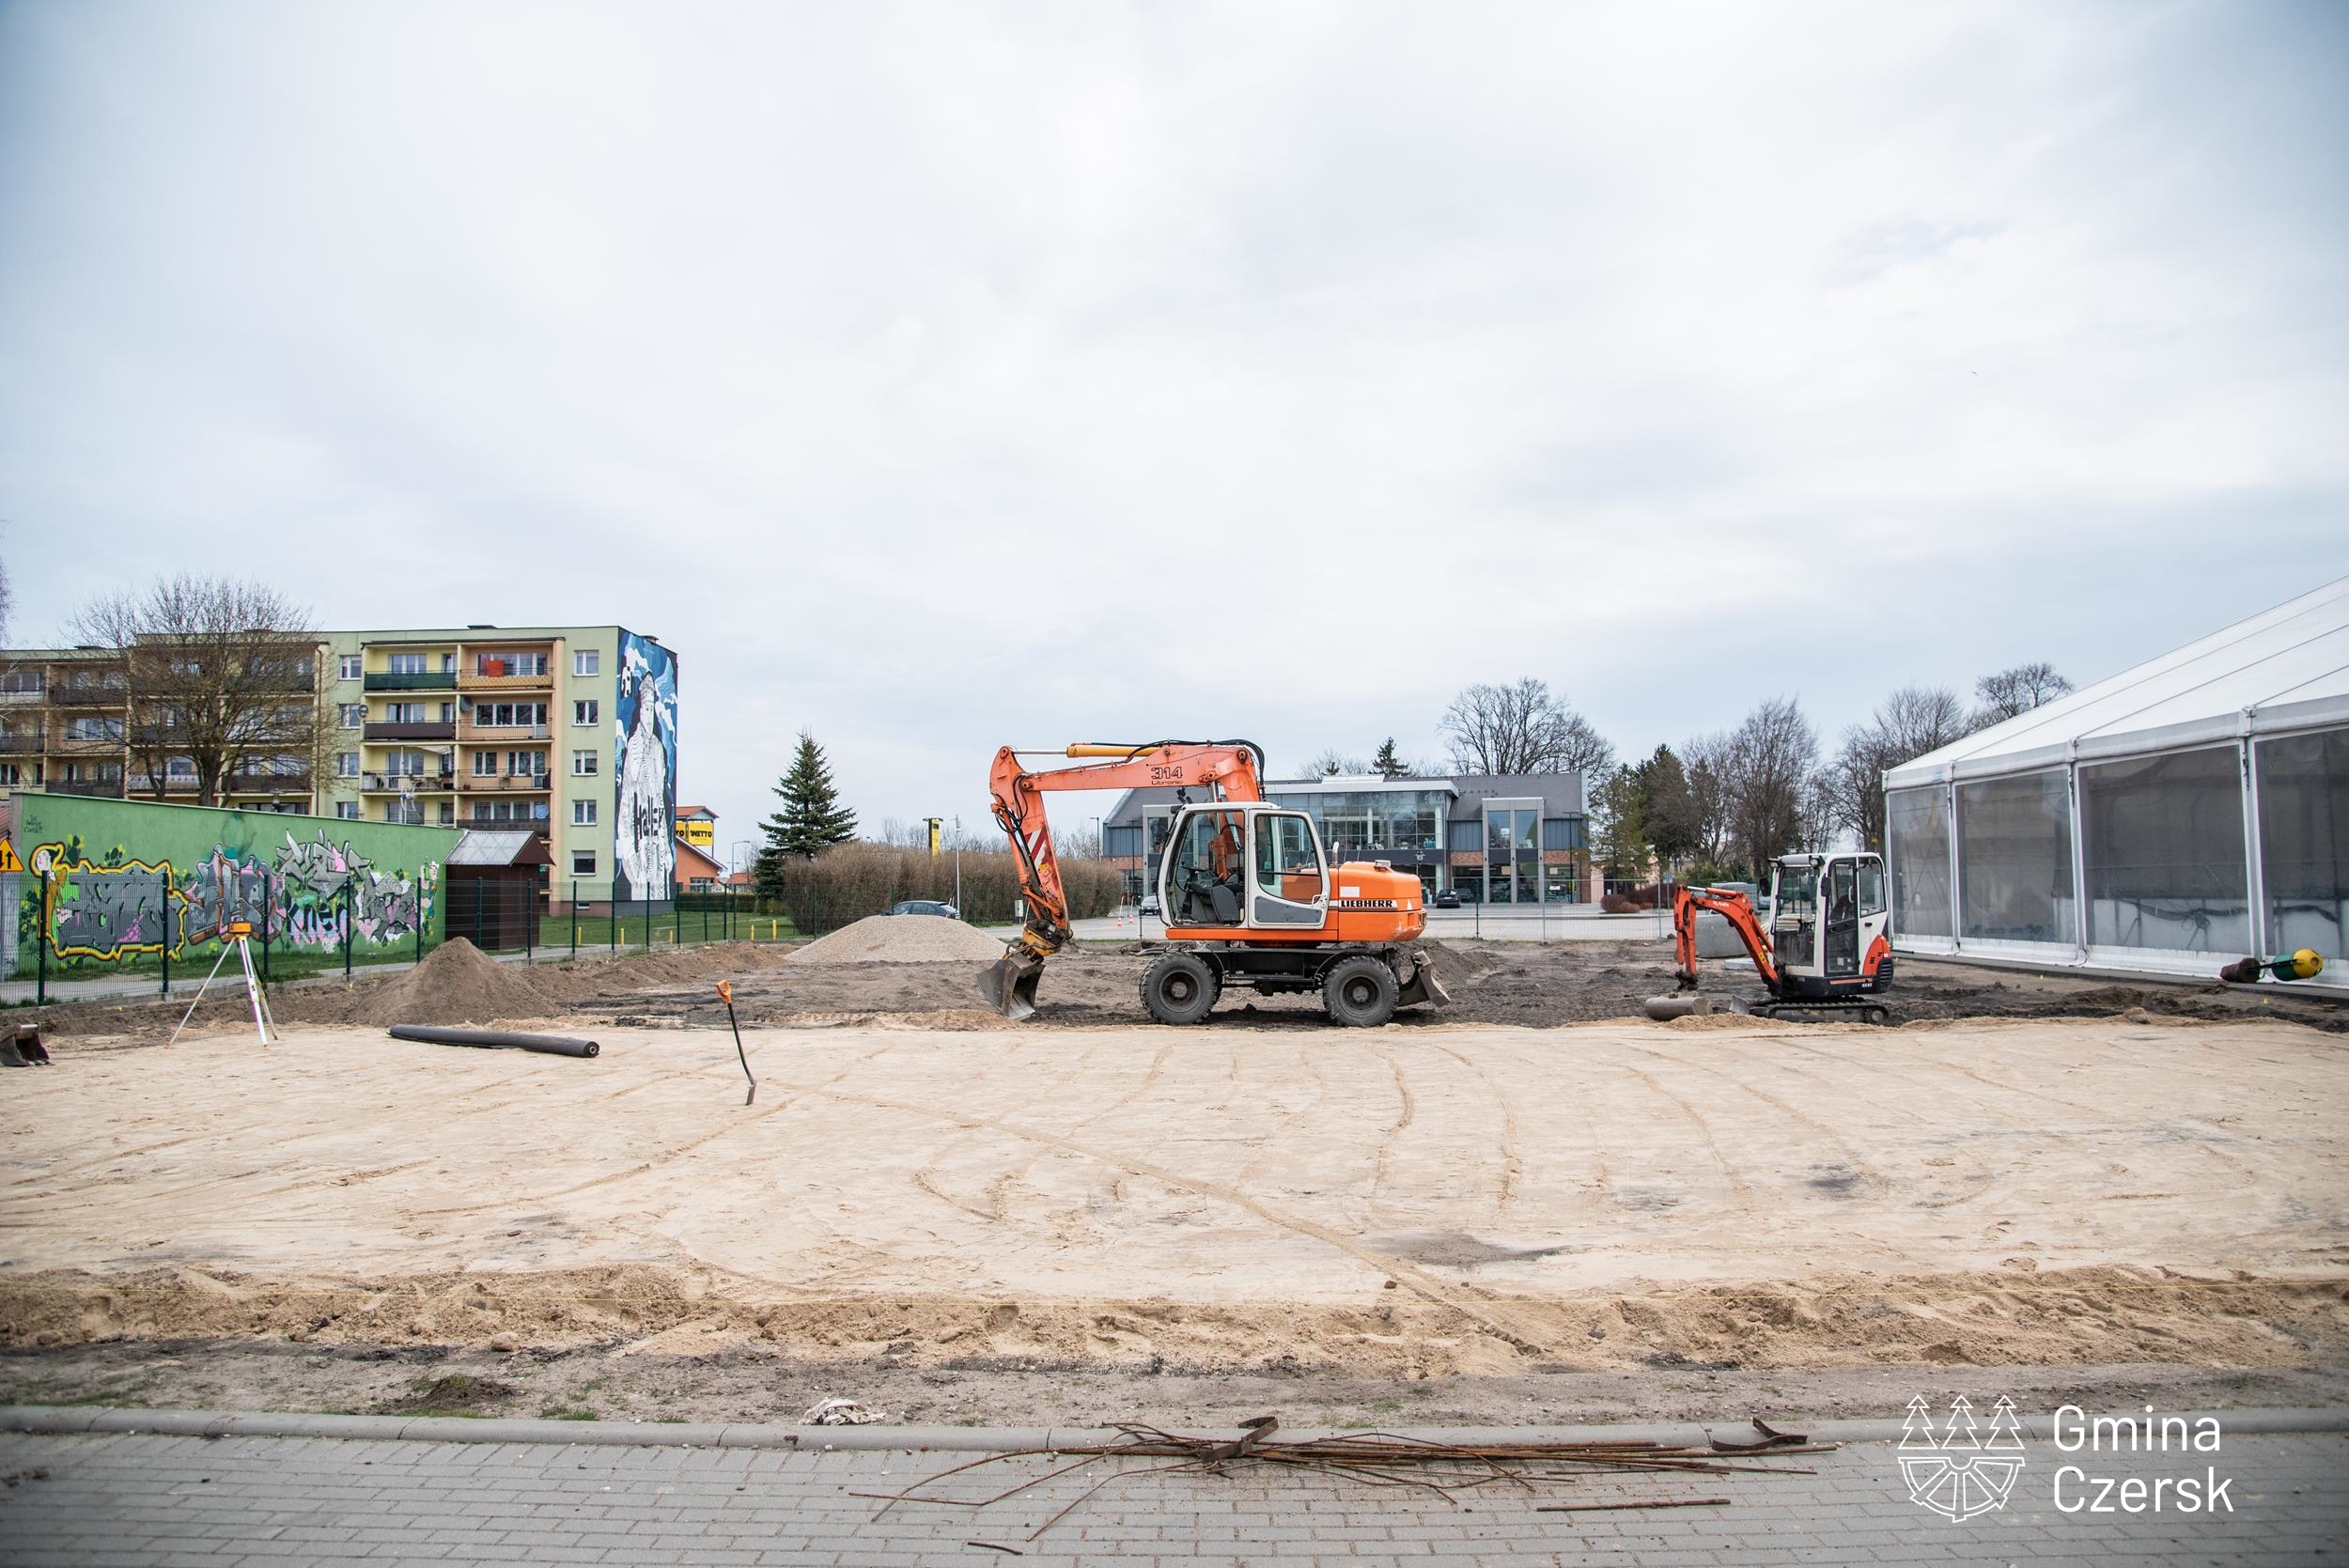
[(1734, 907), (1234, 766)]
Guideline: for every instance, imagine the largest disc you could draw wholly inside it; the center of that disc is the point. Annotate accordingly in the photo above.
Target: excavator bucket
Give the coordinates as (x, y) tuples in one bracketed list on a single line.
[(1422, 985), (1009, 983)]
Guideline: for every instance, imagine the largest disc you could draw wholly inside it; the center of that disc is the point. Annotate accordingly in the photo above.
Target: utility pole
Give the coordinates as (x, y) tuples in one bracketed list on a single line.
[(958, 865)]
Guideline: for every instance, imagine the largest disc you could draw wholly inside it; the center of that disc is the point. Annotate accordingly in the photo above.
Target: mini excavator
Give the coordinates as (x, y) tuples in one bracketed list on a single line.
[(1250, 898), (1829, 946)]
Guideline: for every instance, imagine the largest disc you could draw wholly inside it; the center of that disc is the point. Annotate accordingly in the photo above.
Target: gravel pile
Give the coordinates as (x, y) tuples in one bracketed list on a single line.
[(901, 939)]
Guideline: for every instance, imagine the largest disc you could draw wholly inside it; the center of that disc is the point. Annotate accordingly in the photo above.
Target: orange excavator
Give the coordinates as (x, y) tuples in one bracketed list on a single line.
[(1250, 898), (1828, 949)]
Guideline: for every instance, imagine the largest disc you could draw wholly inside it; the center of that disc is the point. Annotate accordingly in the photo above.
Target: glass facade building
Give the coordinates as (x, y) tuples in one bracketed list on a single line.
[(1503, 840), (2185, 813)]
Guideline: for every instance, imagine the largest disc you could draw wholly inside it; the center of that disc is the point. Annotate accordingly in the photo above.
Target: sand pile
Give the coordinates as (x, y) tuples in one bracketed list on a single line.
[(456, 982), (901, 939)]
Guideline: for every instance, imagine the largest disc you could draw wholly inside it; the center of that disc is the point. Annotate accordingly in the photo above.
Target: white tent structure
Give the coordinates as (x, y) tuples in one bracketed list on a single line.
[(2181, 815)]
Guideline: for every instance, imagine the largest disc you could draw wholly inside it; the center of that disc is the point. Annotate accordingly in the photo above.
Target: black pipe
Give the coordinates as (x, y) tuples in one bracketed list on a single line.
[(496, 1039)]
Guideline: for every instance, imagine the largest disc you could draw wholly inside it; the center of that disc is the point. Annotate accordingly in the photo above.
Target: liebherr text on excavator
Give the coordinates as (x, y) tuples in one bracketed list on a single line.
[(1250, 898)]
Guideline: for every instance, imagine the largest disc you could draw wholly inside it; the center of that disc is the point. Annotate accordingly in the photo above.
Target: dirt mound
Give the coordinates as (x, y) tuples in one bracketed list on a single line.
[(456, 982), (901, 939)]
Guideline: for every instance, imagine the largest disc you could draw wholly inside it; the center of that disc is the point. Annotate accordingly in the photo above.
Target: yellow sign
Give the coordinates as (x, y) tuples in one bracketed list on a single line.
[(699, 831), (936, 825), (8, 858)]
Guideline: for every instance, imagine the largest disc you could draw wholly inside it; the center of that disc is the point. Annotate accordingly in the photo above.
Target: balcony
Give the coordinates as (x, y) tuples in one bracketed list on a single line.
[(88, 745), (399, 783), (536, 782), (538, 824), (268, 784), (21, 693), (446, 730), (103, 789), (476, 681), (22, 745), (434, 680), (500, 735)]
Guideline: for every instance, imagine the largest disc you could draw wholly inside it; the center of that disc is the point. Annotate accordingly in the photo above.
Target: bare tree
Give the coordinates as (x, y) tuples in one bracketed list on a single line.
[(1330, 762), (1705, 756), (7, 601), (1522, 728), (220, 676), (1767, 774), (2017, 691), (1906, 725)]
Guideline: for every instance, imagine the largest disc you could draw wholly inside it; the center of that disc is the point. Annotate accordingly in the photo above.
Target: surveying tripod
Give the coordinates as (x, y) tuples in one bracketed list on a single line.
[(237, 934)]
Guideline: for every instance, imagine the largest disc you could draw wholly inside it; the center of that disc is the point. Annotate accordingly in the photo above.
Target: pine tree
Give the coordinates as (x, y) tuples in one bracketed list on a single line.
[(1917, 1432), (2005, 1431), (1386, 764), (812, 817)]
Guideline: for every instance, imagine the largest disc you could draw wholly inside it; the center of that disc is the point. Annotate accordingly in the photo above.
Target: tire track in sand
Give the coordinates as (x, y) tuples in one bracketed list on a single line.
[(1408, 1276)]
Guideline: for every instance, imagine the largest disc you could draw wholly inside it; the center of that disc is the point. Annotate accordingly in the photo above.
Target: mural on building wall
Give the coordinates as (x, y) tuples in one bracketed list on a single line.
[(305, 893), (643, 843)]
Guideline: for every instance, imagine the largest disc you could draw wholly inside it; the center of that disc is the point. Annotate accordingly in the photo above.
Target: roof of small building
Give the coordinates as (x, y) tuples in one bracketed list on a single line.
[(500, 846), (2284, 669)]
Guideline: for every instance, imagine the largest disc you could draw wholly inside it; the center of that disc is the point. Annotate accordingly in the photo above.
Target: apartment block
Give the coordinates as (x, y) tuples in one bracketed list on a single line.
[(65, 728), (567, 732)]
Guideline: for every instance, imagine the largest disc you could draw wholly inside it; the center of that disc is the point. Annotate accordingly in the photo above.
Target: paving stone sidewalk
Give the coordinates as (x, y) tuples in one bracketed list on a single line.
[(152, 1499)]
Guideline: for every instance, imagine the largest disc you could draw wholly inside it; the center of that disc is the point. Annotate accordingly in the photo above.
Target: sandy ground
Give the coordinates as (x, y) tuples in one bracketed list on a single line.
[(1396, 1202)]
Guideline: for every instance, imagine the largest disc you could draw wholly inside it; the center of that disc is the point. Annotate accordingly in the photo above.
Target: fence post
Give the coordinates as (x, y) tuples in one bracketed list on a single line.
[(676, 920), (611, 919), (530, 920), (349, 918), (574, 920), (165, 940), (267, 899), (40, 941), (479, 936), (420, 918)]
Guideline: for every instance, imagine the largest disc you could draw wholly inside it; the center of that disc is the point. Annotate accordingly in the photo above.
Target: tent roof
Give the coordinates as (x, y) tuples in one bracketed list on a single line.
[(2284, 669)]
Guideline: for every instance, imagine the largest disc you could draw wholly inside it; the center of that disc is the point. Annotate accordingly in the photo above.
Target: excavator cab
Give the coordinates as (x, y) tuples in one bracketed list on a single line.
[(1243, 867), (1831, 925)]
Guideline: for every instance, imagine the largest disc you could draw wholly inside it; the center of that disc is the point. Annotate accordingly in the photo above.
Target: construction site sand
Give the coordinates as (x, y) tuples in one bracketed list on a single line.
[(1400, 1201), (901, 939)]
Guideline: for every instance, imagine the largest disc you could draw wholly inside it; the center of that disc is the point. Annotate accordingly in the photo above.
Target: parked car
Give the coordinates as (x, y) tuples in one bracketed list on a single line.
[(1448, 899), (925, 907), (1149, 906)]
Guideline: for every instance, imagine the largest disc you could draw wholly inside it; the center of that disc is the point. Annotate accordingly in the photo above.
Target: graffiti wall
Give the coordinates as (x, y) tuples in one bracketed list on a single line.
[(643, 839), (116, 880)]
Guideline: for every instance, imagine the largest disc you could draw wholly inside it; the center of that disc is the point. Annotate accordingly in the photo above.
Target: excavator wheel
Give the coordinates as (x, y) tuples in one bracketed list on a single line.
[(1359, 992), (1180, 989)]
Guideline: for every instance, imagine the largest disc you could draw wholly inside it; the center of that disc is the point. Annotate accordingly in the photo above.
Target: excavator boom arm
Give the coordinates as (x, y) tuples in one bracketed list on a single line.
[(1236, 767), (1734, 907)]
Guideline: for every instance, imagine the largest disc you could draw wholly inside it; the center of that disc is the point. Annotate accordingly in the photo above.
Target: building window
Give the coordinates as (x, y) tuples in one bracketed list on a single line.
[(349, 666), (93, 729), (347, 810), (484, 765), (509, 715), (582, 765), (583, 863), (586, 662), (180, 768), (448, 813), (587, 714), (404, 713), (583, 813), (346, 765), (526, 764), (408, 664), (351, 715)]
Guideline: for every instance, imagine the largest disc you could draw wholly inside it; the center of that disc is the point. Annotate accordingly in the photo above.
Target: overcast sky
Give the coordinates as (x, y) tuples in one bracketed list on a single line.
[(942, 376)]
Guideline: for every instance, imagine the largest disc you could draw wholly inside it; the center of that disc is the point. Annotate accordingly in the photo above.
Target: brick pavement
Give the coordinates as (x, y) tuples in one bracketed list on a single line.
[(149, 1500)]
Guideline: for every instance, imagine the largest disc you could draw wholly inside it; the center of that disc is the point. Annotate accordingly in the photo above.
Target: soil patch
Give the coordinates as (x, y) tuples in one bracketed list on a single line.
[(454, 1393)]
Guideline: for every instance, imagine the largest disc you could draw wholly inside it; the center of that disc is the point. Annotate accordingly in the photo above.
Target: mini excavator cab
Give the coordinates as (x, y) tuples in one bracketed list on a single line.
[(1830, 925)]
